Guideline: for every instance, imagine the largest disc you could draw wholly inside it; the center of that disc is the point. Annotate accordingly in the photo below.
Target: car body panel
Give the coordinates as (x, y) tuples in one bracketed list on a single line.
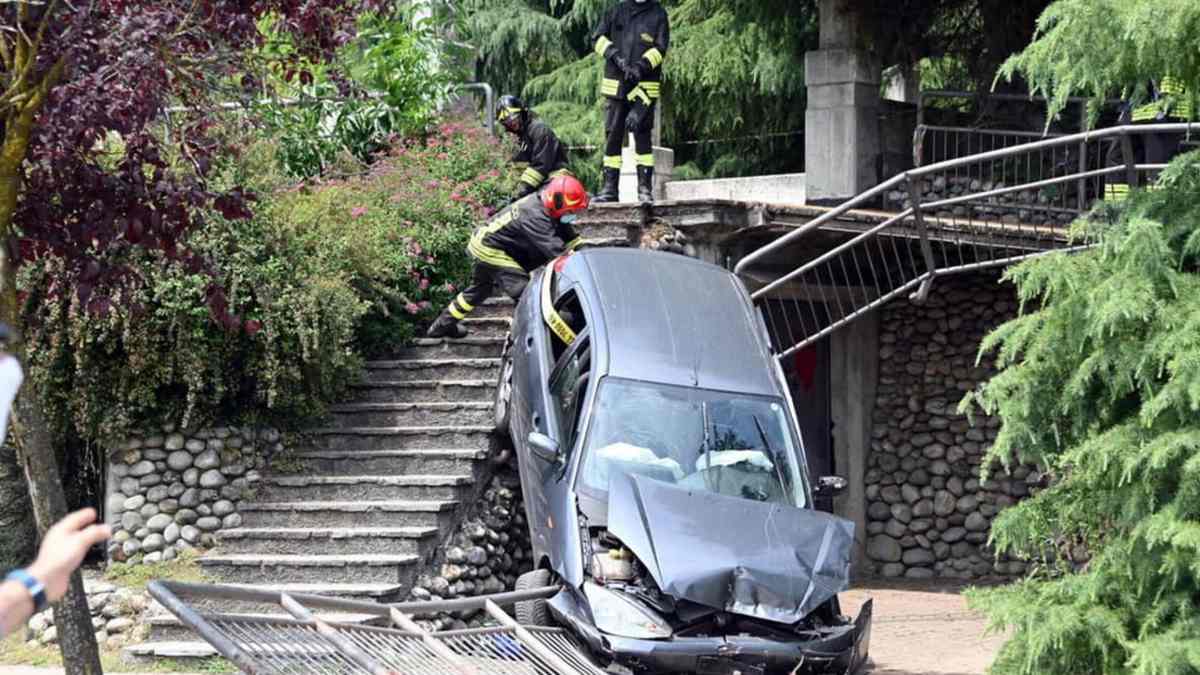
[(767, 560)]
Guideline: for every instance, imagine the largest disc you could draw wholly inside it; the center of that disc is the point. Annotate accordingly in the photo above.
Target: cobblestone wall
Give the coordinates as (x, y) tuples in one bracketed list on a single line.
[(486, 554), (171, 491), (928, 513)]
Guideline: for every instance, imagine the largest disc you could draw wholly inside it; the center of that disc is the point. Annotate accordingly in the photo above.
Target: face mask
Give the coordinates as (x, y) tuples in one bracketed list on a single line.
[(568, 218), (10, 381)]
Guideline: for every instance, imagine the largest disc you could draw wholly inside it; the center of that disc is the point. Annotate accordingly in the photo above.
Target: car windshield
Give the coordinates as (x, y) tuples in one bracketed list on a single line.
[(703, 440)]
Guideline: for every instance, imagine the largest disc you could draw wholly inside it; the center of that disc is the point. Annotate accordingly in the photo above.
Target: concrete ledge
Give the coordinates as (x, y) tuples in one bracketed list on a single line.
[(787, 188)]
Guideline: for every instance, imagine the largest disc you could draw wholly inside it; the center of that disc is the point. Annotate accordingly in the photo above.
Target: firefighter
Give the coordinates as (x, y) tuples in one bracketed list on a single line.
[(539, 151), (633, 39), (1170, 102), (523, 236)]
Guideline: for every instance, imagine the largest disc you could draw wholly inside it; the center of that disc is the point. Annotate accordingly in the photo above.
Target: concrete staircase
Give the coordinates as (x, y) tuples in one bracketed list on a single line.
[(370, 496)]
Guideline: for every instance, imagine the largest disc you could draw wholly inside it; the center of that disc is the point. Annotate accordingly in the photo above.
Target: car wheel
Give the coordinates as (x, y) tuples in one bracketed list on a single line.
[(533, 612), (502, 408)]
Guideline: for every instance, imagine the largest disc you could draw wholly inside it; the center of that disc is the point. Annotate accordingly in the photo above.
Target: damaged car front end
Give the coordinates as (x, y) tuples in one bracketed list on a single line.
[(693, 582)]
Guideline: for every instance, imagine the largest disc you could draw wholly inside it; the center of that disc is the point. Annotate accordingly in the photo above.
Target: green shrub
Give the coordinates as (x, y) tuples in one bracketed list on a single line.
[(324, 274)]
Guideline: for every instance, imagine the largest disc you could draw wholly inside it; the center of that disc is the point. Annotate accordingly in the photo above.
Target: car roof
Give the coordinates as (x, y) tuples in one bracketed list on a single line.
[(675, 320)]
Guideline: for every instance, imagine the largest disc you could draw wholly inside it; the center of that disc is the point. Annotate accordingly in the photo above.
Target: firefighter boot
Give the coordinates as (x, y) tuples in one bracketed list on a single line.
[(608, 193), (446, 326), (645, 182)]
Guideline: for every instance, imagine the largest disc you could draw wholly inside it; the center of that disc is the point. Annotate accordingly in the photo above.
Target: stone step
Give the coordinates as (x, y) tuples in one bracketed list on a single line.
[(329, 541), (175, 650), (444, 348), (166, 628), (258, 568), (499, 306), (433, 369), (348, 514), (390, 462), (373, 487), (378, 592), (475, 413), (400, 438), (425, 391)]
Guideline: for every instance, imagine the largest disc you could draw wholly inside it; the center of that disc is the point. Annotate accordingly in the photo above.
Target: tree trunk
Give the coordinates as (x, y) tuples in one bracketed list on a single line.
[(76, 641), (76, 638), (16, 516)]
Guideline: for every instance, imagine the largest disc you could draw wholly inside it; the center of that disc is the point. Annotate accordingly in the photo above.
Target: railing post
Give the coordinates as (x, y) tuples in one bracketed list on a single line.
[(914, 195), (1131, 174), (1081, 185)]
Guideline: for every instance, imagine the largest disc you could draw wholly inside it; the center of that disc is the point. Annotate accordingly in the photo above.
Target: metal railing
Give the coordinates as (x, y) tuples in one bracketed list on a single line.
[(307, 644), (944, 231)]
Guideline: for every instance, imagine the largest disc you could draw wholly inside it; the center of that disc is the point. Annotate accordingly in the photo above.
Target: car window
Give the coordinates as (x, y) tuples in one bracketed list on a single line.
[(568, 386), (708, 441), (563, 323)]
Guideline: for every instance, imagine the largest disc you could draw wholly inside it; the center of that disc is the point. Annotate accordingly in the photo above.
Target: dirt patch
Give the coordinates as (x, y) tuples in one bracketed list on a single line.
[(924, 629)]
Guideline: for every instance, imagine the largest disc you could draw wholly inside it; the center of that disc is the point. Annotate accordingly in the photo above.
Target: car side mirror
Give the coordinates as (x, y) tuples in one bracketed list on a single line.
[(543, 446), (828, 486)]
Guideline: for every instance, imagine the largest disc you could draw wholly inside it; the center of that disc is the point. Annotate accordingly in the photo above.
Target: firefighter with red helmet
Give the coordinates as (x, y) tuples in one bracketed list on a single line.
[(523, 236)]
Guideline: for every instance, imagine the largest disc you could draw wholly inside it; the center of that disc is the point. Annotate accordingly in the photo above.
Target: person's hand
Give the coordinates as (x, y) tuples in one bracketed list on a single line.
[(63, 548)]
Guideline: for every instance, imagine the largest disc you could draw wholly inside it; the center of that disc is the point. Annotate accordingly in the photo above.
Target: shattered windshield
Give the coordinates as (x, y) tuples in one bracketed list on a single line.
[(733, 445)]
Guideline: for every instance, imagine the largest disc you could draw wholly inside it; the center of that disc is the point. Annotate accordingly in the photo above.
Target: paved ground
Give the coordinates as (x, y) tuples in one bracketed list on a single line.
[(923, 629)]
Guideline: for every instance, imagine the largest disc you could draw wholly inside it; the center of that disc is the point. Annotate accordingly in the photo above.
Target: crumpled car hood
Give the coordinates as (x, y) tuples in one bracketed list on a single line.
[(764, 560)]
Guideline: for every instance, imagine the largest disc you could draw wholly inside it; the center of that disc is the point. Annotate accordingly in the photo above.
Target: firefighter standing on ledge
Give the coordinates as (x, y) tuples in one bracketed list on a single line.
[(633, 39)]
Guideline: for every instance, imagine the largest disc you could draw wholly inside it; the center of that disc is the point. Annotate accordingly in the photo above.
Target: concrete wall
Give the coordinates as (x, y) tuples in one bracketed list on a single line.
[(854, 373), (788, 188)]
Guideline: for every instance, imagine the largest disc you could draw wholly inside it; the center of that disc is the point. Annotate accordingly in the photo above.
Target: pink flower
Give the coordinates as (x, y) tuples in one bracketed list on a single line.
[(424, 285), (494, 173), (432, 185), (358, 211), (454, 196), (424, 304), (412, 308), (450, 288), (442, 155)]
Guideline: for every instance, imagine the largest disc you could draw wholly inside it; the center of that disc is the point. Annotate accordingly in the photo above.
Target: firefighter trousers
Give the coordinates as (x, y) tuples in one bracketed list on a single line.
[(484, 280), (616, 116)]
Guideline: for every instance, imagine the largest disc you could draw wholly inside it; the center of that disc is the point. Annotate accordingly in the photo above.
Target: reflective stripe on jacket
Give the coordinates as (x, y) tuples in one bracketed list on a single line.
[(522, 236)]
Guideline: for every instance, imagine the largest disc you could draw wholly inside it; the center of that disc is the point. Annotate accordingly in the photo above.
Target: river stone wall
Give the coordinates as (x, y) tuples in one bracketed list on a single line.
[(115, 611), (486, 554), (1033, 207), (172, 491), (928, 513)]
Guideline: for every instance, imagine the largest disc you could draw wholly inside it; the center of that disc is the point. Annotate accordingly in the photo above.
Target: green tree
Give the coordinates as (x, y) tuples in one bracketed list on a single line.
[(736, 67), (1100, 385)]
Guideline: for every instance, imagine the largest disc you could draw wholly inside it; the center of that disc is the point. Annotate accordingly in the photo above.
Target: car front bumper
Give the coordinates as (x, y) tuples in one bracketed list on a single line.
[(842, 652)]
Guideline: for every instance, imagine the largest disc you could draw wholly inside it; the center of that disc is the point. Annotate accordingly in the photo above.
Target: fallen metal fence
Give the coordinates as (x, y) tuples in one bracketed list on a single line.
[(954, 216), (306, 644)]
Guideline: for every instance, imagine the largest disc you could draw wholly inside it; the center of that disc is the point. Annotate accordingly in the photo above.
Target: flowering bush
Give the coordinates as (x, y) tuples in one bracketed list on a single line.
[(325, 273)]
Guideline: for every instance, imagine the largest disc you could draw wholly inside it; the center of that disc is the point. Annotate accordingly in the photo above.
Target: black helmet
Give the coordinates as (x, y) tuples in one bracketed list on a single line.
[(510, 112)]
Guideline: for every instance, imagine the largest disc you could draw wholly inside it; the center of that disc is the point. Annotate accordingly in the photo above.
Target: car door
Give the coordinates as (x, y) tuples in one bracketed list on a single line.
[(570, 382)]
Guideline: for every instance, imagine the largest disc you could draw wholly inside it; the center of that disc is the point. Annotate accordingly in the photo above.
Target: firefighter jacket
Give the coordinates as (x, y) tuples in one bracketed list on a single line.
[(522, 236), (1171, 101), (639, 32), (541, 153)]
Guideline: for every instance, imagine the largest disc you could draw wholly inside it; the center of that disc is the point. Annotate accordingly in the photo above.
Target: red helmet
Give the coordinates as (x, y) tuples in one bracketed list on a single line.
[(563, 195)]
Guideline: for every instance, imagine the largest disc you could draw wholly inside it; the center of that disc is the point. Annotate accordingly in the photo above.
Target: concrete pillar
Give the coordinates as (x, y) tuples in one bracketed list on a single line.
[(854, 373), (664, 166), (841, 124)]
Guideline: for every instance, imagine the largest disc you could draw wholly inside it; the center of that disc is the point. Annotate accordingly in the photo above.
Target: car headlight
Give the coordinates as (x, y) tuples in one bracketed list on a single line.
[(617, 614)]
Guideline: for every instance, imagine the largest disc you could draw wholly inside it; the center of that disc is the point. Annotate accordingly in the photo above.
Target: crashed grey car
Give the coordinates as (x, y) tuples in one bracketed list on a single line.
[(664, 474)]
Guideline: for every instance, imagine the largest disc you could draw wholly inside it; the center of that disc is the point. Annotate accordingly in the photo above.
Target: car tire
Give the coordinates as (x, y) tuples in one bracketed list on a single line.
[(533, 612), (502, 406)]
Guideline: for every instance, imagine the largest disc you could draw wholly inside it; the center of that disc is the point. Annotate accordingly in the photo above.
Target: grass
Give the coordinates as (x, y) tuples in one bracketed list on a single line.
[(137, 576), (15, 651)]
